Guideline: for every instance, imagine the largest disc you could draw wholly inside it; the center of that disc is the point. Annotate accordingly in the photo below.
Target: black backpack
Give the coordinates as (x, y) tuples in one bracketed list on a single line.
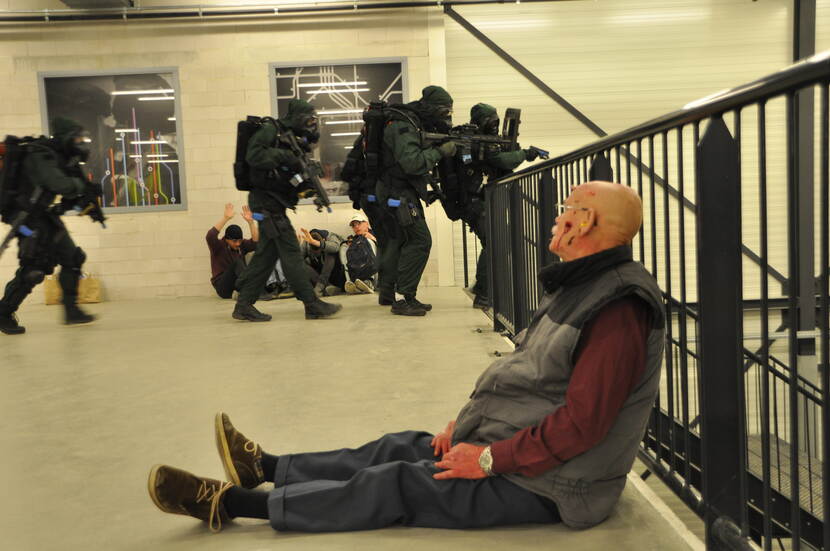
[(361, 260), (12, 152), (244, 130)]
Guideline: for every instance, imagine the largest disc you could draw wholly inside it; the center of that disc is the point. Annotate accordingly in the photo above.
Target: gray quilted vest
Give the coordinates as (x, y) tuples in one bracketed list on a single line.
[(520, 389)]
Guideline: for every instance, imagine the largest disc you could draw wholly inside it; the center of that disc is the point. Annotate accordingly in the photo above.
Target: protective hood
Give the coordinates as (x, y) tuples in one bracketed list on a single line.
[(64, 132), (301, 118), (435, 95), (481, 112)]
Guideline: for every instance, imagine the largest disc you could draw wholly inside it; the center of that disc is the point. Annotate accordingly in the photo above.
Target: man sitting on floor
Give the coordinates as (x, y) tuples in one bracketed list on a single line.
[(359, 256), (549, 433), (227, 255)]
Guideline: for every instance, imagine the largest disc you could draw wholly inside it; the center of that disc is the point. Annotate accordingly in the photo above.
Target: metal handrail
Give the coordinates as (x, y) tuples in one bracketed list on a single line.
[(811, 70)]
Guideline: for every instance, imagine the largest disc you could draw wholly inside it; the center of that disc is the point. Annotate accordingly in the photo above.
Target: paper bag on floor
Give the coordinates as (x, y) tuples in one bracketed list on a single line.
[(89, 289)]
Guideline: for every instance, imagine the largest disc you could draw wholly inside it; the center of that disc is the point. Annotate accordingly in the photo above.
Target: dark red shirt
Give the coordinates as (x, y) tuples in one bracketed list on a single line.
[(610, 360), (222, 256)]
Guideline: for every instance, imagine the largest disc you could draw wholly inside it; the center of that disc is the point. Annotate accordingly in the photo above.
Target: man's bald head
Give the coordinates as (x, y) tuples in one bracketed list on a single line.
[(599, 215)]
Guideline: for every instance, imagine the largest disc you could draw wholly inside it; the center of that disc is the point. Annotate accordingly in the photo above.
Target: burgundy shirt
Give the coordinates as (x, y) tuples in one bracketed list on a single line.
[(610, 360), (222, 256)]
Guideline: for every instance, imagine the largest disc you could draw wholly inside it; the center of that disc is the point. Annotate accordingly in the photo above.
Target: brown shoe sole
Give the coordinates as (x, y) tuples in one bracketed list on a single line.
[(225, 451), (151, 488)]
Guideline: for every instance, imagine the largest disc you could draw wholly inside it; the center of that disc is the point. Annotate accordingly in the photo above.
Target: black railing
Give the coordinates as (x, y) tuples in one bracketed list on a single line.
[(740, 429)]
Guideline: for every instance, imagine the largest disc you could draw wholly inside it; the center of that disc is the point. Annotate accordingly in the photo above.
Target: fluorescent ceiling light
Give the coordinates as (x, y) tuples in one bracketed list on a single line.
[(336, 91), (340, 111), (157, 155), (135, 156), (353, 121), (348, 146), (148, 141), (164, 161), (346, 134), (142, 92), (124, 130), (156, 98), (171, 118), (318, 84)]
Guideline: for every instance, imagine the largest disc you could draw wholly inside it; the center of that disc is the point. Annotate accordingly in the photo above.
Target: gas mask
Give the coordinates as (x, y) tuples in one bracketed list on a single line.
[(490, 126), (437, 118), (79, 145), (308, 128)]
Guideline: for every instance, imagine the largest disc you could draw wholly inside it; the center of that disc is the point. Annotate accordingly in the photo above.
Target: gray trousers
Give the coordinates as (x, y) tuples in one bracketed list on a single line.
[(389, 481)]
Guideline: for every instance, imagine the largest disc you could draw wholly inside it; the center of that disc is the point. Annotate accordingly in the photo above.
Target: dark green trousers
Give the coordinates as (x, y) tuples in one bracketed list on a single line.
[(39, 254), (277, 240), (407, 251)]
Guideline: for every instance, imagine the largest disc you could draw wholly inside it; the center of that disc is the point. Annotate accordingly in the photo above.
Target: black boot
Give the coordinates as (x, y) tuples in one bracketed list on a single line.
[(422, 305), (408, 308), (386, 297), (481, 302), (317, 309), (9, 325), (247, 312), (76, 316)]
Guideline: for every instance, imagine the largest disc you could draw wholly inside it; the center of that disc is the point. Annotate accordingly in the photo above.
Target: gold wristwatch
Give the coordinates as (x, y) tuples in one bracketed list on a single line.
[(485, 461)]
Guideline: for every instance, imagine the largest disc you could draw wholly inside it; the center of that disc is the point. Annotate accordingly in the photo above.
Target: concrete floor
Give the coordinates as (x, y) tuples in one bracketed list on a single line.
[(86, 411)]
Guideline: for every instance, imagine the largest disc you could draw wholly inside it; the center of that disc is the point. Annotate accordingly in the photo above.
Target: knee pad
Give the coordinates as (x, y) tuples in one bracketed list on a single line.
[(33, 276), (78, 258)]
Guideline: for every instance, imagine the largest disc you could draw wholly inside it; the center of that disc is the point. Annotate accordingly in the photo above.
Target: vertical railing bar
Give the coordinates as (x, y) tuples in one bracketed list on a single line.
[(618, 175), (824, 291), (668, 290), (682, 317), (764, 401), (653, 213), (742, 422), (654, 271), (640, 193), (695, 143), (792, 243)]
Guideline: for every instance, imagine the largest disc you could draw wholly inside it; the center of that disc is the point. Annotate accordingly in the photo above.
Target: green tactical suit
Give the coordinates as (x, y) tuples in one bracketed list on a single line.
[(405, 176), (272, 165)]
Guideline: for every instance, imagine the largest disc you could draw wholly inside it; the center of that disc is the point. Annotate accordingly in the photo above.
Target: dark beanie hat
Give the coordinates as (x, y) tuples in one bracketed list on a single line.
[(435, 95), (233, 232)]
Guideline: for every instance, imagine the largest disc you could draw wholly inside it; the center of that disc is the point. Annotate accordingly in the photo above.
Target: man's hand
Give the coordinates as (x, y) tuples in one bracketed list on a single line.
[(305, 235), (447, 149), (442, 442), (247, 214), (531, 155), (461, 462), (229, 211)]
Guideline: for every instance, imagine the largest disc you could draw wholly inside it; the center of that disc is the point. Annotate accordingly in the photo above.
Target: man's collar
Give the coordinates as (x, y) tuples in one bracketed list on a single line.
[(567, 274)]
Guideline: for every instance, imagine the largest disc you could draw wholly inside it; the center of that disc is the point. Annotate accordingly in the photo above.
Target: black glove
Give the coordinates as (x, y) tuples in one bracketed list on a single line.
[(531, 155)]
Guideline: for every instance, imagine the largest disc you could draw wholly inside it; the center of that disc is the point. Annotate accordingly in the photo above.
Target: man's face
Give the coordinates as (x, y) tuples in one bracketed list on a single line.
[(359, 227), (566, 226), (234, 243)]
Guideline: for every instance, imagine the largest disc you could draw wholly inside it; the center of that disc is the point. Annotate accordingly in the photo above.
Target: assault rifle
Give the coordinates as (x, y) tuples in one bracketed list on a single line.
[(310, 171), (472, 145)]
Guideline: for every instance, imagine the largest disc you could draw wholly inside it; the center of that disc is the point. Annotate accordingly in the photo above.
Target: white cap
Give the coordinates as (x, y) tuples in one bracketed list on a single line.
[(358, 217)]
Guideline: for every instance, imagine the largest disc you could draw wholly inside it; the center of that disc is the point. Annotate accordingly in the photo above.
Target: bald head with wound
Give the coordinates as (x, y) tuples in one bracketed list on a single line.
[(596, 216)]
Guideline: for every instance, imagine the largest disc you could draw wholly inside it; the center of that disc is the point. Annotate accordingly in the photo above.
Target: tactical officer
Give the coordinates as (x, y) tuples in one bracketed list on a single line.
[(495, 164), (49, 167), (273, 167), (406, 166)]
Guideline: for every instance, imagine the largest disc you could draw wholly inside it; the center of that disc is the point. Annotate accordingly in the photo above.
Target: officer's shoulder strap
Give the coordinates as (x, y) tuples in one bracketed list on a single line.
[(404, 114)]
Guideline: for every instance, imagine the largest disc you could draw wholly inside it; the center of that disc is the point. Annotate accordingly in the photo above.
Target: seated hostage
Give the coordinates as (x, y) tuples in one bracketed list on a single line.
[(227, 255), (320, 250), (496, 164), (548, 434), (359, 257), (272, 164)]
